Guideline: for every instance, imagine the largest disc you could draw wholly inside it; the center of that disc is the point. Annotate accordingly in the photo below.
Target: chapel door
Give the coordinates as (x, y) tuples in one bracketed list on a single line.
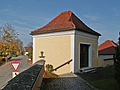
[(84, 55)]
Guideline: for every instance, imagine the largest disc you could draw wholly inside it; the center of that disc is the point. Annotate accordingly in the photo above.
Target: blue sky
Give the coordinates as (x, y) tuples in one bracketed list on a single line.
[(102, 16)]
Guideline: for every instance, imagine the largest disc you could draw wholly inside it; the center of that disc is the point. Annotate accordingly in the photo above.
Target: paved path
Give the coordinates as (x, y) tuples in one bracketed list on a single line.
[(6, 69), (65, 83)]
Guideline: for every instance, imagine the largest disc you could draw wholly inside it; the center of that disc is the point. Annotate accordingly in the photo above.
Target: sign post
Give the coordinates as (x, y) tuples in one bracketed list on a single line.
[(15, 66), (14, 74)]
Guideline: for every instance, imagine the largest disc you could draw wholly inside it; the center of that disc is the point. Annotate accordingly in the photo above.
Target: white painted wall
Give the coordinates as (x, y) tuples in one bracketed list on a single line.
[(105, 56)]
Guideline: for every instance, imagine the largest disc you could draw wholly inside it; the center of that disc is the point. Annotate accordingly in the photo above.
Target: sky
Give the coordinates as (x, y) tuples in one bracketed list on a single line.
[(25, 16)]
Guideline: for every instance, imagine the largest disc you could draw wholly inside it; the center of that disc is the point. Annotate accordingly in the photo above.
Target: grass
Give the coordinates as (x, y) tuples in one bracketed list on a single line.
[(105, 84), (103, 78)]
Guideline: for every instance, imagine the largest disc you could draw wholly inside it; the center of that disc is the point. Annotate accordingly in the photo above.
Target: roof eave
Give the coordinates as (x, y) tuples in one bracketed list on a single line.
[(106, 54), (50, 31), (97, 34), (57, 30)]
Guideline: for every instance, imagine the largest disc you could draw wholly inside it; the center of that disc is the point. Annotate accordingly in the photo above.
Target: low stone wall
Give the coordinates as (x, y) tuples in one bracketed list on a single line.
[(29, 79)]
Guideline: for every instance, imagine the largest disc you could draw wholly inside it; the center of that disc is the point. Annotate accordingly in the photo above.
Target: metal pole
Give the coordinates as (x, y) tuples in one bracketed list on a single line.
[(119, 38)]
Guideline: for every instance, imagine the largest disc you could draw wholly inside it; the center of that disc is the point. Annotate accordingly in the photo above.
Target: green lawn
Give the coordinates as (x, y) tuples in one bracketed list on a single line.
[(105, 84), (103, 78)]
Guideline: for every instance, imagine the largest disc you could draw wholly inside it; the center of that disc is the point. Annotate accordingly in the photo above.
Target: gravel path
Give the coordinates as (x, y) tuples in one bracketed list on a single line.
[(6, 69), (65, 83)]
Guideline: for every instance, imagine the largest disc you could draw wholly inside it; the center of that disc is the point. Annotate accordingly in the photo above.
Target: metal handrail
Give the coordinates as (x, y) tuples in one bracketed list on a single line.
[(62, 65)]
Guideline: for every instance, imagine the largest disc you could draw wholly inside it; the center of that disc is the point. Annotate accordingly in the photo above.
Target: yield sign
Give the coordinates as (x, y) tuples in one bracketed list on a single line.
[(15, 65)]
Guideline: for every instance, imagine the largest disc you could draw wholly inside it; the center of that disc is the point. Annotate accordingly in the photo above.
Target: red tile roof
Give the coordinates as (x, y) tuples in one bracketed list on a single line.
[(64, 22), (107, 48), (28, 48)]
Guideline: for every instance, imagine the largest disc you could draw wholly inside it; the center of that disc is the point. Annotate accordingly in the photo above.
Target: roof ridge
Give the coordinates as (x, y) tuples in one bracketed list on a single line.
[(71, 19)]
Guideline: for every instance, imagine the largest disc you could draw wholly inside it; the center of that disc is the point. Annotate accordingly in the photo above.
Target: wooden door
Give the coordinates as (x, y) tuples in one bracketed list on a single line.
[(84, 55)]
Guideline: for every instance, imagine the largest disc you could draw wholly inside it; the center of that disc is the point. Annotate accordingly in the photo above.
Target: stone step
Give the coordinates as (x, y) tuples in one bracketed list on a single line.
[(65, 83)]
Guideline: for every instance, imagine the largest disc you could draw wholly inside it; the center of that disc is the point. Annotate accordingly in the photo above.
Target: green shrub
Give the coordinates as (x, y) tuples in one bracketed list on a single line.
[(49, 68)]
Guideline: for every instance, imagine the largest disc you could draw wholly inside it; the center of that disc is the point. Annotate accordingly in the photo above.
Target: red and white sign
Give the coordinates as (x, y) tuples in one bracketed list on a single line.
[(15, 65)]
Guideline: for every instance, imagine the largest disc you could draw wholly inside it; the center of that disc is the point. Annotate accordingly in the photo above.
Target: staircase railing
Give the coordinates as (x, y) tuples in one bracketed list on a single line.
[(62, 65)]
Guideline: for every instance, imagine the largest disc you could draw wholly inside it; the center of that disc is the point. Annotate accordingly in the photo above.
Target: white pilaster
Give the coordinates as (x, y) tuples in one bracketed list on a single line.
[(73, 53), (33, 50)]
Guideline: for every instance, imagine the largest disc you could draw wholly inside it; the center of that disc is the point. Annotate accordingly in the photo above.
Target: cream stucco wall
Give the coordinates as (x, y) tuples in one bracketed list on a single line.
[(56, 51), (108, 62), (103, 63), (94, 44), (60, 47)]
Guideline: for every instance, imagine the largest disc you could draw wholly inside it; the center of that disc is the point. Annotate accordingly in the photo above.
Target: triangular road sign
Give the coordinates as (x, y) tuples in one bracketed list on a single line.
[(15, 65)]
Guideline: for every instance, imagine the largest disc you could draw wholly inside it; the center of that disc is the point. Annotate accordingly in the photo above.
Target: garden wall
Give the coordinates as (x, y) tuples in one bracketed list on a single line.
[(29, 79)]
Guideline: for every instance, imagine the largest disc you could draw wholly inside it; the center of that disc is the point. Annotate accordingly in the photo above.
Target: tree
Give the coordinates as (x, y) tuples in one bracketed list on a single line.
[(117, 63), (30, 50), (20, 46), (10, 44), (7, 33), (3, 48)]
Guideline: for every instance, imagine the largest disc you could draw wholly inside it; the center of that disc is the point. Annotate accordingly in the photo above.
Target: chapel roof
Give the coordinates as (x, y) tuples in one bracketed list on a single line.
[(64, 22)]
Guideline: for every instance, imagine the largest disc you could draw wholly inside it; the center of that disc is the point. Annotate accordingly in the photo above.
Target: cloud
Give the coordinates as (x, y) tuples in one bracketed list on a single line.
[(2, 22), (4, 10), (91, 17), (22, 23), (116, 11)]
